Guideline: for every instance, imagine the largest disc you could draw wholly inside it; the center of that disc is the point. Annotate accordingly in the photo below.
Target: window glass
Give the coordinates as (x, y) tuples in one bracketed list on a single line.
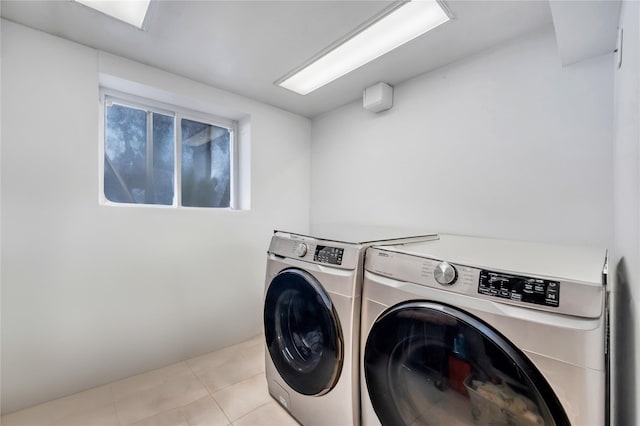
[(125, 157), (163, 159), (206, 164), (140, 149)]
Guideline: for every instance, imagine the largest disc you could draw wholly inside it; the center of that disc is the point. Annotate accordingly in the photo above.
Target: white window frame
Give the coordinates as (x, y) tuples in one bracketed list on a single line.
[(108, 96)]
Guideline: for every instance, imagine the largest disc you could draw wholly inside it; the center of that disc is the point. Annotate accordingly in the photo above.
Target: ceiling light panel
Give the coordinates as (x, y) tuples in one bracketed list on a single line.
[(130, 11), (401, 25)]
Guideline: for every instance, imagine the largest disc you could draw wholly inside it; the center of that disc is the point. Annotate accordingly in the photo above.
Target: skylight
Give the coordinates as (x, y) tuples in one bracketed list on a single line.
[(130, 11)]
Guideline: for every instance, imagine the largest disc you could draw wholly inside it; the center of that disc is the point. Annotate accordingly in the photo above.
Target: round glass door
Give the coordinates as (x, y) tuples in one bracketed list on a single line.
[(431, 364), (302, 332)]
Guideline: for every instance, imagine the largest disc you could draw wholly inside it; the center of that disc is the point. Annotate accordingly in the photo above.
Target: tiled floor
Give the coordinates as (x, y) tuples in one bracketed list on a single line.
[(226, 387)]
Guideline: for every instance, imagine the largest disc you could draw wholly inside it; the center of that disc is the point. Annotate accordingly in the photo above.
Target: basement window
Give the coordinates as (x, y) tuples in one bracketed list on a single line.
[(158, 154)]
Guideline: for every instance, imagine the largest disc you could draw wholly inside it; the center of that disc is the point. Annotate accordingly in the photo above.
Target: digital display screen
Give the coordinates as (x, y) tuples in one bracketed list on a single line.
[(330, 255), (520, 289)]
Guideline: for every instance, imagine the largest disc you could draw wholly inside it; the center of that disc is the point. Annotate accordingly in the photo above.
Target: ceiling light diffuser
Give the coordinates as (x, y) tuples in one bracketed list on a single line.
[(404, 23), (130, 11)]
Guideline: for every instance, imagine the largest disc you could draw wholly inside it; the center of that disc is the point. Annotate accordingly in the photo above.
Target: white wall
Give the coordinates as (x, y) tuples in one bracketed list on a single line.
[(506, 144), (625, 262), (94, 293)]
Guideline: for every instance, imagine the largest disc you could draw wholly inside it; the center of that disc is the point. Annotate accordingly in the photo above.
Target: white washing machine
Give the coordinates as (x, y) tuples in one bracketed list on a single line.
[(312, 321), (466, 330)]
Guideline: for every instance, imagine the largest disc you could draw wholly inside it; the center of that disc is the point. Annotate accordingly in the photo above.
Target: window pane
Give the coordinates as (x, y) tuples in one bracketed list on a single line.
[(205, 165), (135, 171), (163, 159), (140, 155), (125, 148)]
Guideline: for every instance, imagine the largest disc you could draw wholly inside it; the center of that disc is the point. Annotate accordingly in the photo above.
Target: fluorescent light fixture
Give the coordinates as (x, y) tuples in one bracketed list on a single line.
[(404, 23), (130, 11)]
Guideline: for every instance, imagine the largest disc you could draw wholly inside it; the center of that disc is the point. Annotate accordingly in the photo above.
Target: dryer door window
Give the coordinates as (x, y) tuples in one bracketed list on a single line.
[(303, 333), (431, 364)]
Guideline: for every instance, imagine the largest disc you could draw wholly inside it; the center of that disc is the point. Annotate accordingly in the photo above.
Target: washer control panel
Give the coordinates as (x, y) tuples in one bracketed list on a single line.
[(419, 275), (330, 255), (445, 273), (307, 249), (519, 289), (300, 249)]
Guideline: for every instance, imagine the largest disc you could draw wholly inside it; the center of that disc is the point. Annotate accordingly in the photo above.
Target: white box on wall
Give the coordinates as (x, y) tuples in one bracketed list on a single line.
[(378, 97)]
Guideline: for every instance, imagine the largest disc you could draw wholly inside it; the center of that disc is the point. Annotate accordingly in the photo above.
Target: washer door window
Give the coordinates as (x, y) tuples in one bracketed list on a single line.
[(303, 333), (431, 364)]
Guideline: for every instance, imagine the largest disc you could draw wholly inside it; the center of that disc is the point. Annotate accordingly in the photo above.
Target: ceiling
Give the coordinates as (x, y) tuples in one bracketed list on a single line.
[(244, 46)]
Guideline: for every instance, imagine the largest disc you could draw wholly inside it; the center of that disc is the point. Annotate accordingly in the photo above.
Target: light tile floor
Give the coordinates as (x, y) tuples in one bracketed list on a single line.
[(226, 387)]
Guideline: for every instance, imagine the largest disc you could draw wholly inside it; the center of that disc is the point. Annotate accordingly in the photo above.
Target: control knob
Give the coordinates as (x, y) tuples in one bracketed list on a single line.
[(445, 273), (300, 249)]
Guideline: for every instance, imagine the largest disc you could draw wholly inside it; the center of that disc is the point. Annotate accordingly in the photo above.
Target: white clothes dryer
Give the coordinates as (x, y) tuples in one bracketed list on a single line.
[(464, 330), (312, 321)]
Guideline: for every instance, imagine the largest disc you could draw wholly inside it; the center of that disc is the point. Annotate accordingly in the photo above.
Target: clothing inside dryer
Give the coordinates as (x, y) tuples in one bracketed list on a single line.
[(427, 366)]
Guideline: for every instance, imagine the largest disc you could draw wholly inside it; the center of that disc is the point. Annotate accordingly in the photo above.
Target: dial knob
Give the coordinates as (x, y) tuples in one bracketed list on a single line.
[(300, 249), (445, 273)]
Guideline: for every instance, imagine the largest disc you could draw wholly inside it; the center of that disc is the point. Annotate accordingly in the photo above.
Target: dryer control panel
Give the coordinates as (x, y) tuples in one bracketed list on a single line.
[(327, 254), (520, 289)]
